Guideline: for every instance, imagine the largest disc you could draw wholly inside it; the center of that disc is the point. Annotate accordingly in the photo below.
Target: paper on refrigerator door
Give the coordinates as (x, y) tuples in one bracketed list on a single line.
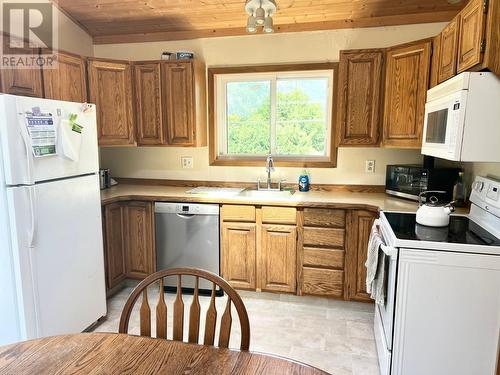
[(71, 138), (42, 133)]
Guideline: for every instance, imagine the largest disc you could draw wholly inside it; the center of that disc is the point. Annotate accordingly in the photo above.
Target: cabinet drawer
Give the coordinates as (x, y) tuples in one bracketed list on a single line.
[(238, 213), (323, 282), (333, 258), (328, 237), (279, 215), (324, 217)]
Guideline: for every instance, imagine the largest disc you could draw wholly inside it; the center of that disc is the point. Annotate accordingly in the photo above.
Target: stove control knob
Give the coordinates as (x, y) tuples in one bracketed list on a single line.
[(478, 186)]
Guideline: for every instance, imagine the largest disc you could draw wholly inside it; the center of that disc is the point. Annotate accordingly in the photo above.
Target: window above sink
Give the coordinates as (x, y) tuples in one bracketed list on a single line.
[(283, 111)]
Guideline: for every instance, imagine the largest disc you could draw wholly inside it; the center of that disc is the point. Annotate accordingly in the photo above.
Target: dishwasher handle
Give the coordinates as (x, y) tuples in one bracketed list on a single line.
[(186, 216)]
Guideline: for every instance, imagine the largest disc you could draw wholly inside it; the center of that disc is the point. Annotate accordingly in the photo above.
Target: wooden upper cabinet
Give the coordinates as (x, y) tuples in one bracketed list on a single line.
[(178, 88), (471, 33), (447, 67), (115, 243), (184, 91), (140, 250), (407, 78), (110, 88), (278, 258), (435, 60), (149, 104), (238, 254), (360, 83), (25, 82), (67, 81)]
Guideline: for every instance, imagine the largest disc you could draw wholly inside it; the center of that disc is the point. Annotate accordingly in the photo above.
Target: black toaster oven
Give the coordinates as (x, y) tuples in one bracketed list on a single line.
[(408, 181)]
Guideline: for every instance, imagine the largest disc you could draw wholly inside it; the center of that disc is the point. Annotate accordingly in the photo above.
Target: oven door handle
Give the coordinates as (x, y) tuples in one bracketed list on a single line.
[(389, 250)]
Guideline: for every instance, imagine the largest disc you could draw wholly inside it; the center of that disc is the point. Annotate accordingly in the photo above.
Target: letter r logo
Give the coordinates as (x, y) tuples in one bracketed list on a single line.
[(31, 22)]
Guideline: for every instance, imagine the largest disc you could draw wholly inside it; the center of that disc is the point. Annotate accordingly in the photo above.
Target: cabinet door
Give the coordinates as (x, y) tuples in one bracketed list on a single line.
[(238, 254), (179, 95), (471, 31), (360, 80), (359, 231), (148, 102), (25, 82), (140, 254), (115, 243), (278, 258), (67, 81), (110, 88), (407, 77), (448, 51), (435, 60)]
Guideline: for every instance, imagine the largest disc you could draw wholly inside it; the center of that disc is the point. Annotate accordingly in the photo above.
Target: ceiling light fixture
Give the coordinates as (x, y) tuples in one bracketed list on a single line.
[(251, 24), (260, 14)]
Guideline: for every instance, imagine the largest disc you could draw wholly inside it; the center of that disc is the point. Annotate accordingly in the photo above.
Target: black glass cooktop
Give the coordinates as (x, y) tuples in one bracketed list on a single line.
[(461, 230)]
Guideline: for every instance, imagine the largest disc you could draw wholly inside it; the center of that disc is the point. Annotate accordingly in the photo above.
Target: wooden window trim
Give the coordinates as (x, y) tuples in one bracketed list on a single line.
[(308, 162)]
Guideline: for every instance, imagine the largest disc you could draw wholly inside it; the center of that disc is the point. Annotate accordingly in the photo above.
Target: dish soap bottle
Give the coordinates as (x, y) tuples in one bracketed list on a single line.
[(459, 191), (304, 181)]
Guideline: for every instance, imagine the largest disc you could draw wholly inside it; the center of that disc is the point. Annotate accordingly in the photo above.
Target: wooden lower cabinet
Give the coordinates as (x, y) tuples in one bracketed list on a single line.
[(359, 229), (140, 259), (323, 282), (129, 241), (259, 248), (278, 258), (115, 242), (321, 252), (238, 254)]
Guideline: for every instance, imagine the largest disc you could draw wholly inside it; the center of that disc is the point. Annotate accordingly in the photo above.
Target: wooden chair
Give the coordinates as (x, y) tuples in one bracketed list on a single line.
[(194, 312)]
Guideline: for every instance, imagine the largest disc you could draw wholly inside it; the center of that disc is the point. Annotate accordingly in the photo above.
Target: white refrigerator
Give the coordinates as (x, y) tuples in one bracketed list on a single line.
[(51, 249)]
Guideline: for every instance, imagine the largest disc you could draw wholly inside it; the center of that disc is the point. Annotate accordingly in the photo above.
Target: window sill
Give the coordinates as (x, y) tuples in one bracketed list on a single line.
[(330, 162)]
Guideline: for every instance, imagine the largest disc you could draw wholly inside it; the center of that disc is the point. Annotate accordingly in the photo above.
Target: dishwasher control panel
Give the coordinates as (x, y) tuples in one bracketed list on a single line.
[(186, 208)]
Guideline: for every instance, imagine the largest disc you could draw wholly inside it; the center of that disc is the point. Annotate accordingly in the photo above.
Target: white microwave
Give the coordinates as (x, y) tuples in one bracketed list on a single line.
[(462, 118)]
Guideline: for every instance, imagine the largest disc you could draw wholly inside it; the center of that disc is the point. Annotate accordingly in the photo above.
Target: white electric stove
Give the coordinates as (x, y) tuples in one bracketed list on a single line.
[(442, 307)]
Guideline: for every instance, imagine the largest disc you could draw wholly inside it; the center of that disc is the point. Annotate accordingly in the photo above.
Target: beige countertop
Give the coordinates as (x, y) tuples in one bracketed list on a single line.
[(337, 199)]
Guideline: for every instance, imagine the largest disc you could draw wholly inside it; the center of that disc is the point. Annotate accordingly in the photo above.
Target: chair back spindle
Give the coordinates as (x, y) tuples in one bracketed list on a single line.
[(194, 311), (145, 315), (178, 312), (161, 314), (194, 315), (210, 320)]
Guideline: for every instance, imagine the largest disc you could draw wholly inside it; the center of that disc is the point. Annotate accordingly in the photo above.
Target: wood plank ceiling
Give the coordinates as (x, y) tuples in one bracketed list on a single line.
[(120, 21)]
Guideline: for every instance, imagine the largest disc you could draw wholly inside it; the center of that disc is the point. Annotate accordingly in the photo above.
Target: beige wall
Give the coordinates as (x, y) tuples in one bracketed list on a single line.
[(318, 46), (72, 38)]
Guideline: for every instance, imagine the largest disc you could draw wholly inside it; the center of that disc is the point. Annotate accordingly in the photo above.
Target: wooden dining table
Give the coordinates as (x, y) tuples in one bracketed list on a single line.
[(113, 353)]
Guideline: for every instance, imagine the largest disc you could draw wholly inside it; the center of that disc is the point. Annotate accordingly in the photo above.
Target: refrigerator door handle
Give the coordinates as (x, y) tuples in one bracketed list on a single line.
[(32, 232), (27, 145)]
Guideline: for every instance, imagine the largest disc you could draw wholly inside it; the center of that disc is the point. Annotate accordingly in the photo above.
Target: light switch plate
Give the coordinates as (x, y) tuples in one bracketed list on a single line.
[(187, 162), (370, 166)]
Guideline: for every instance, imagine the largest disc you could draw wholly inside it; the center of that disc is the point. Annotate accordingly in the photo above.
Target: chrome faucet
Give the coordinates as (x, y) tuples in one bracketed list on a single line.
[(269, 169)]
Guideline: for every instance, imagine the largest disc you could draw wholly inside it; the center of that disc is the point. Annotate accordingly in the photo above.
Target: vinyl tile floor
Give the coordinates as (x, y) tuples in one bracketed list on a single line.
[(335, 336)]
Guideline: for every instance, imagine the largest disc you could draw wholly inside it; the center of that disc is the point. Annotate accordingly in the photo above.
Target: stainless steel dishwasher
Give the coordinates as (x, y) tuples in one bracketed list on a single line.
[(187, 235)]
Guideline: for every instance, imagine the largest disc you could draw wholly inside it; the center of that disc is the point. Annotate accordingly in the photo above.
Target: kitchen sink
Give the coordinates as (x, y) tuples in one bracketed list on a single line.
[(266, 194)]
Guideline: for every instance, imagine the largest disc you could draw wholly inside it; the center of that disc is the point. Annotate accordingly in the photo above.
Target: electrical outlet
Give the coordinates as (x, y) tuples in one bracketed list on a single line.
[(187, 162), (370, 166)]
